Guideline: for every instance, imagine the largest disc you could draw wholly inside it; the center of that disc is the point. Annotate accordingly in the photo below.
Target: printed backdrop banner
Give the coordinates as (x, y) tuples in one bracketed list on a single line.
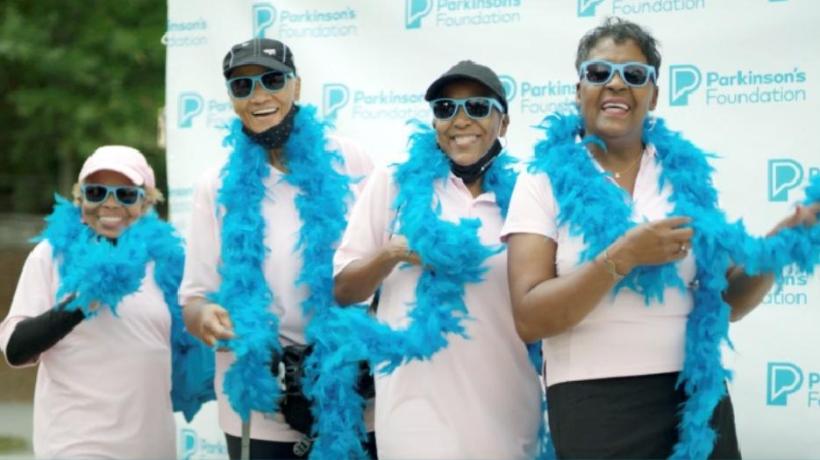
[(741, 78)]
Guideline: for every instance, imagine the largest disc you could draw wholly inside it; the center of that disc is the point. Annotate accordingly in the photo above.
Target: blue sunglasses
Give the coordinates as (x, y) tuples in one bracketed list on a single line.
[(243, 87), (476, 108), (600, 72), (126, 195)]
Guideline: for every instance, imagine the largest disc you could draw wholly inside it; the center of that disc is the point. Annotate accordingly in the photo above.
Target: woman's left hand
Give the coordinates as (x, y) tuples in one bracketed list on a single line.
[(802, 215)]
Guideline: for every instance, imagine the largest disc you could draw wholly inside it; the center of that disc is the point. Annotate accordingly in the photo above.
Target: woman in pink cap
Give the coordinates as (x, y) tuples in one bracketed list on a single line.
[(95, 308)]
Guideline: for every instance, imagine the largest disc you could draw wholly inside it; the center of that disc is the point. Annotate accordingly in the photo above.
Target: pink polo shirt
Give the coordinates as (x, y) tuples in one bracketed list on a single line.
[(282, 267), (621, 336), (478, 398), (104, 390)]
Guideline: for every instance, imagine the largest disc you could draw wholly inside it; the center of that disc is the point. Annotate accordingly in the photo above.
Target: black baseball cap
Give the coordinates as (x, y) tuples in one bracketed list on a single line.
[(266, 52), (469, 70)]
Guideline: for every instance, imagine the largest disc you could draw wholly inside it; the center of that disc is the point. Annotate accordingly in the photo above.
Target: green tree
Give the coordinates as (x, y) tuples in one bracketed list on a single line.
[(74, 76)]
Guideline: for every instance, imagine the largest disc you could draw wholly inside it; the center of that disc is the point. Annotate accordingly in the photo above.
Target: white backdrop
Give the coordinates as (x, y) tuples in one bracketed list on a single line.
[(739, 77)]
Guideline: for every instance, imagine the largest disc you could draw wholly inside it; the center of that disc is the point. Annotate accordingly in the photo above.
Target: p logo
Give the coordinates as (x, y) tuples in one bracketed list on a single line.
[(264, 16), (508, 83), (414, 10), (782, 380), (188, 443), (189, 105), (683, 80), (784, 175), (586, 8), (334, 97)]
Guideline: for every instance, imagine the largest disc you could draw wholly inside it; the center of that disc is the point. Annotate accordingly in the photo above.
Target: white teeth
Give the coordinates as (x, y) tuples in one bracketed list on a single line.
[(263, 112), (465, 140), (615, 105), (110, 220)]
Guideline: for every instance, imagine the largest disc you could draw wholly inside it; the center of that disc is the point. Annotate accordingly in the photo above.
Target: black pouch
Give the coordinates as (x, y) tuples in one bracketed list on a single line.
[(295, 407)]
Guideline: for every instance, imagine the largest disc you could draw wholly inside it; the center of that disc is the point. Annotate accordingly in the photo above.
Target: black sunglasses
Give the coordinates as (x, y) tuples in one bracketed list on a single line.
[(242, 87), (126, 195)]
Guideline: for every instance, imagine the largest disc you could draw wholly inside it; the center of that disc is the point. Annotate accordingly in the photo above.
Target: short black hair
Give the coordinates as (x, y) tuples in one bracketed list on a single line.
[(620, 30)]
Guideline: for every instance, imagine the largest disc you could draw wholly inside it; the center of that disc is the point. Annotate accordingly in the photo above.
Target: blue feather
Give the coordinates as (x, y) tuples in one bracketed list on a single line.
[(452, 251), (95, 270), (321, 202), (590, 206)]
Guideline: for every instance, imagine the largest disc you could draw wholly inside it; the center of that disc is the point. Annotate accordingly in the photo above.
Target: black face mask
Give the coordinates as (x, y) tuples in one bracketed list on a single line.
[(275, 136), (475, 171)]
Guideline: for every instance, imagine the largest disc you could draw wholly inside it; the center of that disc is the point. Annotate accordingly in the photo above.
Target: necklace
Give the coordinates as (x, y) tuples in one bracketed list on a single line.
[(618, 174), (581, 194)]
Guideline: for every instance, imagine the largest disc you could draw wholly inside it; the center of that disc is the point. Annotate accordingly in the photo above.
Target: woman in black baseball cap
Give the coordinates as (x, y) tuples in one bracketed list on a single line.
[(257, 275), (484, 109), (425, 232)]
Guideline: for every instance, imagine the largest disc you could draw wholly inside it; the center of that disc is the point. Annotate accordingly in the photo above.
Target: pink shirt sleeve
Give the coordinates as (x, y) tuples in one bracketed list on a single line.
[(202, 250), (34, 294), (358, 164), (532, 207), (370, 222)]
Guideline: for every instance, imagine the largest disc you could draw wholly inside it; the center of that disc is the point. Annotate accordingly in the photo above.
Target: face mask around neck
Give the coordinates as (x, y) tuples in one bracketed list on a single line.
[(475, 171), (275, 136)]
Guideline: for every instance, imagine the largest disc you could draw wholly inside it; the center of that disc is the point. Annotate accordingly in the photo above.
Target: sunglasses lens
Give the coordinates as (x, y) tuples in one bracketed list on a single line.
[(94, 193), (128, 195), (635, 75), (274, 81), (598, 72), (241, 87), (444, 108), (478, 107)]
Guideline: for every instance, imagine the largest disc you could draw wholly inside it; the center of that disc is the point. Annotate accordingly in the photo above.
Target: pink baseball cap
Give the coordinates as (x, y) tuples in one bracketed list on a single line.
[(125, 160)]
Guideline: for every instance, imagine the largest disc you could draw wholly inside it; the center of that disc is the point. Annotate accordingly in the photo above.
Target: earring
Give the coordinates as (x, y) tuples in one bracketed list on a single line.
[(651, 121)]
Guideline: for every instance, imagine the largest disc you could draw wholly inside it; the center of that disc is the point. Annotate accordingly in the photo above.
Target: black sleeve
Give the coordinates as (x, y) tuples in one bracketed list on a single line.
[(33, 336)]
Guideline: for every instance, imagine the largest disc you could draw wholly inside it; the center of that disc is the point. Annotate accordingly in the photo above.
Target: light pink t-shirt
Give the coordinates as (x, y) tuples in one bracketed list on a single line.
[(104, 390), (477, 398), (282, 267), (622, 336)]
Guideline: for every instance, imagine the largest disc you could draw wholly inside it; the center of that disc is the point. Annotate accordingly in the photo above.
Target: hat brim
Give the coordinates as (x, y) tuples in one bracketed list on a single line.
[(434, 90), (132, 174), (263, 61)]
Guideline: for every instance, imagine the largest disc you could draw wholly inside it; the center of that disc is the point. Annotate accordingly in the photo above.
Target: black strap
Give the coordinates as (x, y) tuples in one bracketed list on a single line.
[(475, 171), (33, 336)]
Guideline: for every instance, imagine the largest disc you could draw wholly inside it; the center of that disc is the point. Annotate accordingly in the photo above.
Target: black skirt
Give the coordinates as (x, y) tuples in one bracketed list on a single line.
[(628, 417)]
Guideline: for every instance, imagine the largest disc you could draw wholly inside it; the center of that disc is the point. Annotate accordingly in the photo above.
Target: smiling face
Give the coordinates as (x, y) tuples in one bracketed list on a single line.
[(110, 217), (464, 139), (264, 109), (615, 111)]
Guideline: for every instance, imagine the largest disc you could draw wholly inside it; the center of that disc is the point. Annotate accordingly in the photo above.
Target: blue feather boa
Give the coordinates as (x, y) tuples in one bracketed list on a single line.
[(244, 292), (591, 206), (95, 270), (452, 255)]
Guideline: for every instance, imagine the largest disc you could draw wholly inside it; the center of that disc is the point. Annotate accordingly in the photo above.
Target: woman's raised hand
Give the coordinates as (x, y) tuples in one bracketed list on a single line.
[(652, 243)]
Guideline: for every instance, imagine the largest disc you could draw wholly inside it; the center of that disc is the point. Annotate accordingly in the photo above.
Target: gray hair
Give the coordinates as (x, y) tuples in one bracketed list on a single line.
[(620, 30)]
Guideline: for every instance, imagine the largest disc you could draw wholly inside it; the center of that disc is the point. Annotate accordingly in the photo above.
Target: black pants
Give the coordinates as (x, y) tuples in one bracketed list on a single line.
[(272, 450), (628, 417)]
